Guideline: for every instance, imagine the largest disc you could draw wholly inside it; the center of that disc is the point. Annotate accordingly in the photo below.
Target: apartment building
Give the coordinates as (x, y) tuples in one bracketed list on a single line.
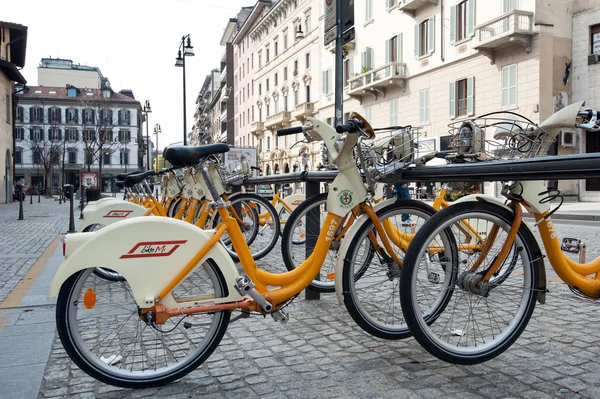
[(432, 62), (585, 78), (287, 47), (13, 46), (59, 72), (71, 130)]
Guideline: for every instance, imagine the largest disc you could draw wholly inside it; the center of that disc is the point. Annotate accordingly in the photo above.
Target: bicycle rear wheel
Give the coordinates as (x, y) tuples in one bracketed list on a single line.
[(100, 327), (480, 321)]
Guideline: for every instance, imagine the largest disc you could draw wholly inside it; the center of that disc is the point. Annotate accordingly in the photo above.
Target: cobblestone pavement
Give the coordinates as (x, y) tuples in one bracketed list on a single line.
[(24, 241), (321, 353)]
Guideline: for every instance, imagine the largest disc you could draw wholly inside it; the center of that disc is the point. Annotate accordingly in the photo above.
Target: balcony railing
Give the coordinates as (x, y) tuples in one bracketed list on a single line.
[(515, 26), (257, 128), (278, 120), (410, 6), (377, 80), (303, 110)]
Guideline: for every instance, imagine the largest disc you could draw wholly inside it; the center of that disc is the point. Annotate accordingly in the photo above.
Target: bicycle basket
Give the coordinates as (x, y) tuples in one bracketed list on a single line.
[(391, 150), (498, 135), (234, 172)]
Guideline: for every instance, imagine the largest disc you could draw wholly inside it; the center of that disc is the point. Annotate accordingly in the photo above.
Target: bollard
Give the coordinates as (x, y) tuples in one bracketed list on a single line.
[(30, 196), (81, 203), (312, 229), (71, 209), (39, 194), (20, 194)]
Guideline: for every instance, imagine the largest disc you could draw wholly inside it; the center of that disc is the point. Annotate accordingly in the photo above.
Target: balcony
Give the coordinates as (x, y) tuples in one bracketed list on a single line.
[(257, 128), (278, 120), (376, 81), (513, 27), (411, 6), (303, 110)]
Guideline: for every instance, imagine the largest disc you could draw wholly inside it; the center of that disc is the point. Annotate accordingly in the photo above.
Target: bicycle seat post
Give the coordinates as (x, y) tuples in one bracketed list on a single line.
[(211, 187)]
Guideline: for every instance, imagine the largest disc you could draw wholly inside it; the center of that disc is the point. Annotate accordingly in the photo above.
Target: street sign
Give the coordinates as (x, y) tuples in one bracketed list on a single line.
[(347, 36), (347, 16)]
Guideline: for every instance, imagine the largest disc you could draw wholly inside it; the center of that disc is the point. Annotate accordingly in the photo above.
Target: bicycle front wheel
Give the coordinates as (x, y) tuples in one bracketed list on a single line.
[(371, 277), (481, 319), (100, 327)]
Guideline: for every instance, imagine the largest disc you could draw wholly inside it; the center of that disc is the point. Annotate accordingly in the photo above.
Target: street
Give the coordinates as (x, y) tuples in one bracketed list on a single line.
[(320, 353)]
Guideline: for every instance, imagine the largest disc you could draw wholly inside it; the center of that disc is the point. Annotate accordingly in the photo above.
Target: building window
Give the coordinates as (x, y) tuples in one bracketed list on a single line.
[(307, 60), (268, 143), (88, 135), (260, 114), (124, 117), (72, 157), (37, 159), (390, 3), (267, 55), (71, 92), (424, 106), (425, 37), (124, 157), (394, 112), (20, 133), (72, 115), (54, 134), (276, 79), (285, 74), (368, 114), (295, 67), (285, 103), (393, 49), (268, 113), (461, 97), (295, 97), (36, 134), (88, 116), (267, 85), (307, 24), (71, 135), (106, 116), (327, 82), (307, 93), (36, 114), (462, 19), (19, 114), (595, 39), (54, 115), (259, 60), (18, 157), (509, 86), (260, 89), (275, 106), (106, 160), (8, 108), (368, 10), (124, 136), (285, 43), (276, 48)]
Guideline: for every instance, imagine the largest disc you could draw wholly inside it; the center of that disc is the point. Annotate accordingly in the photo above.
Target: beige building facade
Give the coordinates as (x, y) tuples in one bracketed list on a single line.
[(58, 72), (13, 44)]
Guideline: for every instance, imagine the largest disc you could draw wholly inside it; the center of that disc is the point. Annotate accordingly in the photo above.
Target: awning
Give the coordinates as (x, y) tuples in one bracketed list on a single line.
[(11, 71)]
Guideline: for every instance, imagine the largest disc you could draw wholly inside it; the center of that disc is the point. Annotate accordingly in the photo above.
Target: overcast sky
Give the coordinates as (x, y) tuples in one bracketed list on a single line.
[(134, 43)]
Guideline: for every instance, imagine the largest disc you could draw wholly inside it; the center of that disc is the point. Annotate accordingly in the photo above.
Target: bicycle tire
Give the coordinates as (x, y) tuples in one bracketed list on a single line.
[(442, 336), (126, 367), (371, 291)]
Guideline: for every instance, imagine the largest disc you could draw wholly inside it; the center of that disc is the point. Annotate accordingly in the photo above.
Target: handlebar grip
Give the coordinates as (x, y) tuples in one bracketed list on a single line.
[(351, 126), (290, 130), (589, 114)]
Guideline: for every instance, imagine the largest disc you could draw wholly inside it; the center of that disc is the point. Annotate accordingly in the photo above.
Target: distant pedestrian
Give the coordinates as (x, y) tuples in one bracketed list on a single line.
[(402, 192)]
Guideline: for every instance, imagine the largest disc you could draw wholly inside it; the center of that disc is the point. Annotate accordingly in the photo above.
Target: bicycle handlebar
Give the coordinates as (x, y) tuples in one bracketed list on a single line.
[(351, 126), (293, 130), (590, 120)]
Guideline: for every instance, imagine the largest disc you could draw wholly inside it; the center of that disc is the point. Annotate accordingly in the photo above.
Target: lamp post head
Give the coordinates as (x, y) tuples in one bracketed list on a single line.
[(188, 50), (147, 108), (179, 60), (299, 34), (157, 128)]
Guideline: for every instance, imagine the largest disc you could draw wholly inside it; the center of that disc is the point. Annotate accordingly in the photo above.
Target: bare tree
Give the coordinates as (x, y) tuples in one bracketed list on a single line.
[(46, 146), (98, 121)]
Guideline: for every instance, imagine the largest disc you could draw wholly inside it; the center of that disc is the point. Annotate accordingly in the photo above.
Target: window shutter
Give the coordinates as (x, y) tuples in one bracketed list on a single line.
[(416, 40), (431, 32), (470, 17), (59, 115), (509, 5), (30, 132), (369, 57), (452, 99), (452, 24), (351, 63), (470, 92), (324, 82), (399, 47), (388, 44), (505, 87), (59, 134)]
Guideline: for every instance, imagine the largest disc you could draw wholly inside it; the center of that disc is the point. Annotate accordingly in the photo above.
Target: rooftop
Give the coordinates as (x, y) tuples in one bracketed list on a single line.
[(61, 93)]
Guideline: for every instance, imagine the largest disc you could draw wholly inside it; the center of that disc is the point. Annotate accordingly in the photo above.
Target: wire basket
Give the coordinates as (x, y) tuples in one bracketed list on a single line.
[(234, 172), (391, 150), (497, 136)]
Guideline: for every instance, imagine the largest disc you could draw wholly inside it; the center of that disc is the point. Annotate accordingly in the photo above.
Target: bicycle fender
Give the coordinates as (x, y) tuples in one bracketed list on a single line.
[(111, 212), (148, 253), (343, 251)]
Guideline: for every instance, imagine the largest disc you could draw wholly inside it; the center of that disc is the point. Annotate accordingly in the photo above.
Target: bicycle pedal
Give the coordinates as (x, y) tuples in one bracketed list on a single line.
[(281, 316), (245, 286)]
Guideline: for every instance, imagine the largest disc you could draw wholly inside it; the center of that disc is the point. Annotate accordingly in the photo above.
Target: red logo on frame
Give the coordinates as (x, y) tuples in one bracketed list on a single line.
[(150, 249), (117, 214)]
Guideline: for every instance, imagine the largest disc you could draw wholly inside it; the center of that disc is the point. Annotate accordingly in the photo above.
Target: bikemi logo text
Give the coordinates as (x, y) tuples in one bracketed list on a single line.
[(117, 214), (150, 249)]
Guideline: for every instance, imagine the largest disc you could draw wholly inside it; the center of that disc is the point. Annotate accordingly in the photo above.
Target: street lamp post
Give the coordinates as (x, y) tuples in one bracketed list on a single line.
[(157, 130), (188, 51), (146, 111)]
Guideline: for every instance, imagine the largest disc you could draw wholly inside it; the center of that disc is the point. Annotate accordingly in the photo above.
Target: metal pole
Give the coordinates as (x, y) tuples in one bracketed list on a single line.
[(157, 166), (147, 141), (312, 233), (71, 210), (184, 113), (81, 202), (20, 193), (40, 193), (339, 70), (31, 196)]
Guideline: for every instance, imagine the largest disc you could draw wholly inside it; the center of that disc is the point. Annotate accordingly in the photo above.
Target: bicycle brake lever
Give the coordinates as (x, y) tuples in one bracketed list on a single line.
[(591, 125)]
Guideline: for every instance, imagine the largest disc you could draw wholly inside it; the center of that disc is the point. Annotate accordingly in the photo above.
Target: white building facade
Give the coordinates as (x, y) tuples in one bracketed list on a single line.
[(67, 119)]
